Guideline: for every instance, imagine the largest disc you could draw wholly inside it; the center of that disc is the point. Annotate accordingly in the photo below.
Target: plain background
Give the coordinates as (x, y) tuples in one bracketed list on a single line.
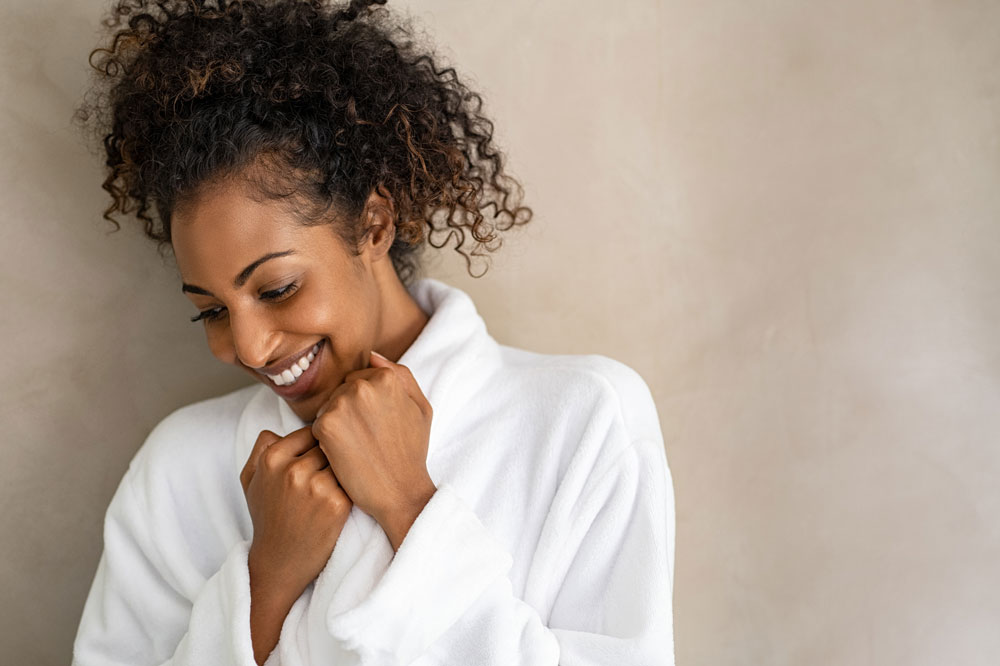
[(782, 214)]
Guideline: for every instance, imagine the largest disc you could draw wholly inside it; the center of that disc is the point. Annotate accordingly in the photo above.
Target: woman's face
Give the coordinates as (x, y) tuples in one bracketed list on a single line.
[(269, 289)]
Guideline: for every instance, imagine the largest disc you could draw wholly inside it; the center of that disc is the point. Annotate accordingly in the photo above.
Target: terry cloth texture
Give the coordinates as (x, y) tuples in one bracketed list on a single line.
[(550, 539)]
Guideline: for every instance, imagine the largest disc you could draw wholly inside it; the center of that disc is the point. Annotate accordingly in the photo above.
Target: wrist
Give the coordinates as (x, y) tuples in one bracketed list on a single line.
[(268, 588), (269, 606), (397, 523)]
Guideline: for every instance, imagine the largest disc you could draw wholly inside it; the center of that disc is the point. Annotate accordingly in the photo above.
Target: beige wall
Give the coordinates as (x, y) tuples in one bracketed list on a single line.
[(783, 214)]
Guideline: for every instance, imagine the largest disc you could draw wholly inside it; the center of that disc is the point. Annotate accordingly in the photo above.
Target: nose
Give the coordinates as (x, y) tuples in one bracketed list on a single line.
[(254, 338)]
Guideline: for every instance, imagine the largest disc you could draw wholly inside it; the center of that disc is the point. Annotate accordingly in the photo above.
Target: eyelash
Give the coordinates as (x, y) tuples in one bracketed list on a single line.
[(216, 313)]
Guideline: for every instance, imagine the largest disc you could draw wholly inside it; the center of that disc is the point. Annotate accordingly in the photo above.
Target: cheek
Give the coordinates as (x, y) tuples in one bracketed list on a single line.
[(347, 334)]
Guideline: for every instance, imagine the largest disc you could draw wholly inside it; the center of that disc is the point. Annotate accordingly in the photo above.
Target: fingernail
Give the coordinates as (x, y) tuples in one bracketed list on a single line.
[(379, 355)]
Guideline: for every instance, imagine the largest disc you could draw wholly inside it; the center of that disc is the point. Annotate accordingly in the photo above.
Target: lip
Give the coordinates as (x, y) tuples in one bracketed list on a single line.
[(280, 367), (305, 380)]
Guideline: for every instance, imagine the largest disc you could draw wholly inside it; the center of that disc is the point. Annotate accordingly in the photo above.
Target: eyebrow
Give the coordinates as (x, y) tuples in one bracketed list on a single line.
[(240, 279)]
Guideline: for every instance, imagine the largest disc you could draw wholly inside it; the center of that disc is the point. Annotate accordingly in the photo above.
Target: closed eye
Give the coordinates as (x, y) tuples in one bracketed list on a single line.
[(278, 293), (273, 295)]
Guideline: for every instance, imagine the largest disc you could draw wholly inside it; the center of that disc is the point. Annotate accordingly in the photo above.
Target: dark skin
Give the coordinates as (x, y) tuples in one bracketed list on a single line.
[(369, 422)]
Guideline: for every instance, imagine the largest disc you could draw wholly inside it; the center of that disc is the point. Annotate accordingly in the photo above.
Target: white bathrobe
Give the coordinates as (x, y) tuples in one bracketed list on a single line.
[(550, 539)]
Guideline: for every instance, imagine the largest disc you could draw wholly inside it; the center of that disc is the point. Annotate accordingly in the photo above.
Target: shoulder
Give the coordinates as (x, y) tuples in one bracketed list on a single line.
[(179, 500), (601, 428), (209, 418), (193, 431), (593, 382)]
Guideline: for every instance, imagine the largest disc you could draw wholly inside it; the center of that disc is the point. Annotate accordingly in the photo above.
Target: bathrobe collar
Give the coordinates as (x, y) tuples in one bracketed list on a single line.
[(450, 356)]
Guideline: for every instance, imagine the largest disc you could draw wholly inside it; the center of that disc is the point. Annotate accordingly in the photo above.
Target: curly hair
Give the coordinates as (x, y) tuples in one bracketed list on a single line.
[(316, 104)]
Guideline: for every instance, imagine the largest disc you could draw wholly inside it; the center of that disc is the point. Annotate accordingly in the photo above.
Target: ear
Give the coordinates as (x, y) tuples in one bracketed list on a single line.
[(380, 215)]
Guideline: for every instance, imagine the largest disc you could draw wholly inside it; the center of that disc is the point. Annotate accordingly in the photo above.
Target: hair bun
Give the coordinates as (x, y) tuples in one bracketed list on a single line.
[(324, 101), (357, 6)]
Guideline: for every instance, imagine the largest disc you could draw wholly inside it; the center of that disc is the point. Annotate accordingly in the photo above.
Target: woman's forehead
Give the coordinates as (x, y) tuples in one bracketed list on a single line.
[(225, 226)]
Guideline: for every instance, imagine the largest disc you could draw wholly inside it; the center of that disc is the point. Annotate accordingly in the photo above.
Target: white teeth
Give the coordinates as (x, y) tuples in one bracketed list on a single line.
[(295, 371)]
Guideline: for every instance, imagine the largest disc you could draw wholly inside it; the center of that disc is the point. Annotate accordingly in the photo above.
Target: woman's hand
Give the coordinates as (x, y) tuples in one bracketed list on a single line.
[(298, 510), (374, 429)]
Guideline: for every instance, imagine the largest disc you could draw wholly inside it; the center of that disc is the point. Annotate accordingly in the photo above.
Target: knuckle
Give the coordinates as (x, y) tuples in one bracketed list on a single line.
[(265, 436), (270, 459), (298, 475), (339, 504), (322, 427), (409, 378), (365, 389), (318, 486)]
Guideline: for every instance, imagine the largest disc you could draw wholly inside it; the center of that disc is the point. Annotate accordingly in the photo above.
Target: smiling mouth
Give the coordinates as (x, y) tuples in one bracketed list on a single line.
[(298, 368)]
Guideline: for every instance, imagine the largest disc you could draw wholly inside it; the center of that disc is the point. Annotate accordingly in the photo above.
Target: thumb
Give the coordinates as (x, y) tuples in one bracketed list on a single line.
[(405, 375), (379, 361)]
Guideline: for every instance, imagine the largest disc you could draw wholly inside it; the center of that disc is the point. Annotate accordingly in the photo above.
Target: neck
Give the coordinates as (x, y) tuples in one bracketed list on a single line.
[(402, 318)]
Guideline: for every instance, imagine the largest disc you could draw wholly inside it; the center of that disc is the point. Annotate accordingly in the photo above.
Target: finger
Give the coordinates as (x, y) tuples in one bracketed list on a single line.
[(377, 360), (292, 444), (265, 439), (297, 442), (314, 458), (337, 393), (405, 376), (330, 479), (363, 373)]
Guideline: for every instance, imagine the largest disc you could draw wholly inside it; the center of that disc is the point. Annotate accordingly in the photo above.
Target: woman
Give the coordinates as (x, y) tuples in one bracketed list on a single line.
[(395, 487)]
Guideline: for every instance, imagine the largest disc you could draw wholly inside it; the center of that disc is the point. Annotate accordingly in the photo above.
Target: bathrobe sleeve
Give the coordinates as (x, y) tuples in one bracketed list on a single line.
[(135, 614), (606, 558)]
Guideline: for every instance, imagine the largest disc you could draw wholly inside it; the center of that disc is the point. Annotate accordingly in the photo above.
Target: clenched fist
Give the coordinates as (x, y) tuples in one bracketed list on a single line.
[(374, 429), (297, 507)]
